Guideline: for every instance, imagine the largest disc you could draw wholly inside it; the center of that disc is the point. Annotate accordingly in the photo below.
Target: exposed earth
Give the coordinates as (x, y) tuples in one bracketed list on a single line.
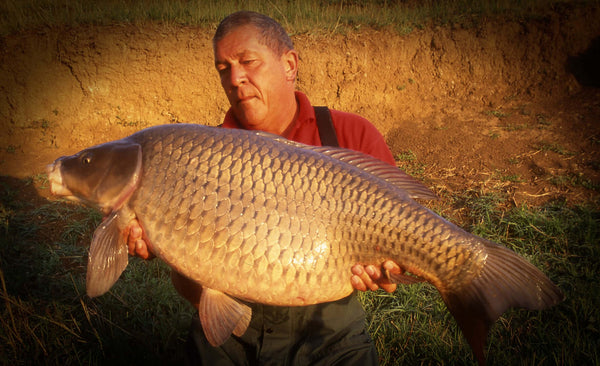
[(504, 104)]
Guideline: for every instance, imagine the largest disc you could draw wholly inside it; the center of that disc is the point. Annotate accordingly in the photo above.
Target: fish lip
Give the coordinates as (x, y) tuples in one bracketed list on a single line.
[(57, 186)]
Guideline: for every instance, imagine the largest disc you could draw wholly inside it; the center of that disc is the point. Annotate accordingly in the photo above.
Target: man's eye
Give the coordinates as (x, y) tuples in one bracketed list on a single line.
[(221, 68)]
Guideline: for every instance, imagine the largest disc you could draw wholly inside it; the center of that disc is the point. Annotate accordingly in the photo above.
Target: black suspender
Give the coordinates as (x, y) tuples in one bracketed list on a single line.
[(325, 125)]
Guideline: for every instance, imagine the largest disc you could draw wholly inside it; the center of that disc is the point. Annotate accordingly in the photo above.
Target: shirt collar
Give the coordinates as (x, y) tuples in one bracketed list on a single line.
[(306, 114)]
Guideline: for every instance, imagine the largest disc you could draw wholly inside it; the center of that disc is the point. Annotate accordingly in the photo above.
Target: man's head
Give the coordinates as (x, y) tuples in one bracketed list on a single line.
[(271, 33), (258, 66)]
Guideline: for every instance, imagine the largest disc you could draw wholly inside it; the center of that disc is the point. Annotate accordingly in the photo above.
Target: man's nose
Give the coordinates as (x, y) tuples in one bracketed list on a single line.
[(238, 75)]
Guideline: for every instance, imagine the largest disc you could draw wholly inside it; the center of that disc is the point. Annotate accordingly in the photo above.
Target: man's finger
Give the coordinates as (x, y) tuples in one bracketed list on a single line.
[(141, 249), (358, 283), (373, 272), (369, 275)]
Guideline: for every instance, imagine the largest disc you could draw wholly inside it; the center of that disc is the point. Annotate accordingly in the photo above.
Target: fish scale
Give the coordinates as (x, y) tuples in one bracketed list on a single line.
[(253, 216), (312, 180), (261, 159)]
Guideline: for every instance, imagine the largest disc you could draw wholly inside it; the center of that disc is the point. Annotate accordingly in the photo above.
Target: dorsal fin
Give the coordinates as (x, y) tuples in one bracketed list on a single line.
[(367, 163), (380, 169)]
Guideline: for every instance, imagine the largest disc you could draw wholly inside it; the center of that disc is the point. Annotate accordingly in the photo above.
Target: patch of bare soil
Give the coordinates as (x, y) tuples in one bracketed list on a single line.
[(506, 104)]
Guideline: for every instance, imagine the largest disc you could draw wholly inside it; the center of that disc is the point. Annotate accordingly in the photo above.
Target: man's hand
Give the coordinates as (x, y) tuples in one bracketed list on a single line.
[(136, 241), (372, 278)]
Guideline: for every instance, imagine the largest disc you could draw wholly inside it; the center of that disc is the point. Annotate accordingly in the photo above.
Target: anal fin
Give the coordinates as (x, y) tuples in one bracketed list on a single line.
[(222, 315)]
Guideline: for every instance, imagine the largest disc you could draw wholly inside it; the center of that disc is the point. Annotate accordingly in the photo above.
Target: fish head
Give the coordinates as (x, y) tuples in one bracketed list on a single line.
[(104, 175)]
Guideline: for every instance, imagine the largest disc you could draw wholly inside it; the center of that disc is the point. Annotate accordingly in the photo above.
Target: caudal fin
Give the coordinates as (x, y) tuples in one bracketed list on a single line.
[(507, 280)]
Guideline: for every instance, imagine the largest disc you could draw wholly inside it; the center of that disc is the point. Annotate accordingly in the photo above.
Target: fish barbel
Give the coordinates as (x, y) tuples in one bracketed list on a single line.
[(252, 216)]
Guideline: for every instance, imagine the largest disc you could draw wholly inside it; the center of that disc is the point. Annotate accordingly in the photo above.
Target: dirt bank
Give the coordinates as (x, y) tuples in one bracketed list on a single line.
[(503, 104)]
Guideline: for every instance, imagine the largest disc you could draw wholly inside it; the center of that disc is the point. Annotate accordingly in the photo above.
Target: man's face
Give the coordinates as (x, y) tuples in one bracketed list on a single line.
[(257, 82)]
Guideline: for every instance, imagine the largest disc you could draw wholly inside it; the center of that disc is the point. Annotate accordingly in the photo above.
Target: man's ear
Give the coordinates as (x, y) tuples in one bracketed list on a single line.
[(290, 60)]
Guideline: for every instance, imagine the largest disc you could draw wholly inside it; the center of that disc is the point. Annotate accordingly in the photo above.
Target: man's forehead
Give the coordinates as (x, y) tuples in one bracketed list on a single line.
[(241, 41), (241, 34)]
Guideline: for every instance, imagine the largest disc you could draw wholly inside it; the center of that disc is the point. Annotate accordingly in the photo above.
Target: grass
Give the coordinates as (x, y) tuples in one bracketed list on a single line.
[(556, 148), (46, 318), (412, 325), (308, 16), (409, 162)]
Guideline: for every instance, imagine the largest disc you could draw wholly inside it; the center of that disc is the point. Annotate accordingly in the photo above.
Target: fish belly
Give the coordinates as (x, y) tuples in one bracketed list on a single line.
[(262, 221)]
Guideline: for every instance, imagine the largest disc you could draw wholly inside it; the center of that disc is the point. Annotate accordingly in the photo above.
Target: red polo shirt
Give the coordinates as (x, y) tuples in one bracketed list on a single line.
[(353, 131)]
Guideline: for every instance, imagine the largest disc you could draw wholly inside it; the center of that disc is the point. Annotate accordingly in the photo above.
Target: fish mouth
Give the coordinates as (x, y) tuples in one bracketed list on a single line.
[(57, 186)]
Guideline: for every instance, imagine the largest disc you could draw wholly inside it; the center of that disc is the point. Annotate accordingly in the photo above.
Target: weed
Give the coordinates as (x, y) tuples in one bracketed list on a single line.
[(408, 162), (511, 127), (493, 135), (497, 113), (557, 148), (515, 161), (514, 178), (574, 180), (11, 149), (543, 121), (41, 180), (310, 16), (407, 156), (127, 123)]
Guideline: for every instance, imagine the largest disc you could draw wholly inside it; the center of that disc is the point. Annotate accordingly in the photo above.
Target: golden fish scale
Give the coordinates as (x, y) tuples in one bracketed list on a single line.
[(267, 222)]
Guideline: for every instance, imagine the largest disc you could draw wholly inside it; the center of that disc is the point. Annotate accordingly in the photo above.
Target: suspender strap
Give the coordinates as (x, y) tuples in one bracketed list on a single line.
[(325, 125)]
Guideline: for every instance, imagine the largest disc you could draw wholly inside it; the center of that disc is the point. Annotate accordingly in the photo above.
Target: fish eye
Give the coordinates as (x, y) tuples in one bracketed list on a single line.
[(86, 159)]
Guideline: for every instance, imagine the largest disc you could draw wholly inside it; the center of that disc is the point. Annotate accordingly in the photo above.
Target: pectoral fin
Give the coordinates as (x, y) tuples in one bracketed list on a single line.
[(108, 256), (222, 315)]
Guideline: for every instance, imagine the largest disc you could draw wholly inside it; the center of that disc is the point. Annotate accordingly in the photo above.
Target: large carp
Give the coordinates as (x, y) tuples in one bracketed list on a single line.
[(256, 217)]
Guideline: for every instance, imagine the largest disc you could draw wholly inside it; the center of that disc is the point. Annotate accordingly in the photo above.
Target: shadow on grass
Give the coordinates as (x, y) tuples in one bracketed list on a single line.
[(46, 318)]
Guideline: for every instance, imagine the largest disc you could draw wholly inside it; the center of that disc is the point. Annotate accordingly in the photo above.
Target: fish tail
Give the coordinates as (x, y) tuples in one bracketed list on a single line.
[(506, 281)]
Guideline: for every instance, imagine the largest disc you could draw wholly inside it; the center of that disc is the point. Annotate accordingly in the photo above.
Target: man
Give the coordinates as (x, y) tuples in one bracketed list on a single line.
[(258, 65)]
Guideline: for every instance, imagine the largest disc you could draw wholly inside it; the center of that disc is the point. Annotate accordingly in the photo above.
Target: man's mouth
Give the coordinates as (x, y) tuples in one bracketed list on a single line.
[(245, 100)]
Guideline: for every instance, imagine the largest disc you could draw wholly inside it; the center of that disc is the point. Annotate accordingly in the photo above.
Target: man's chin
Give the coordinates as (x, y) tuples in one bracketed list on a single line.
[(249, 116)]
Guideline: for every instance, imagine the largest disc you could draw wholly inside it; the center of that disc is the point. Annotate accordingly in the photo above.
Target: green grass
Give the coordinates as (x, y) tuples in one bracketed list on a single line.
[(409, 162), (46, 318), (308, 16), (554, 147), (412, 326)]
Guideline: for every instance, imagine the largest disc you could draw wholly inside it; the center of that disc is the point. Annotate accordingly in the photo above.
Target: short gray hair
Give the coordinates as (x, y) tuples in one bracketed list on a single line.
[(271, 32)]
